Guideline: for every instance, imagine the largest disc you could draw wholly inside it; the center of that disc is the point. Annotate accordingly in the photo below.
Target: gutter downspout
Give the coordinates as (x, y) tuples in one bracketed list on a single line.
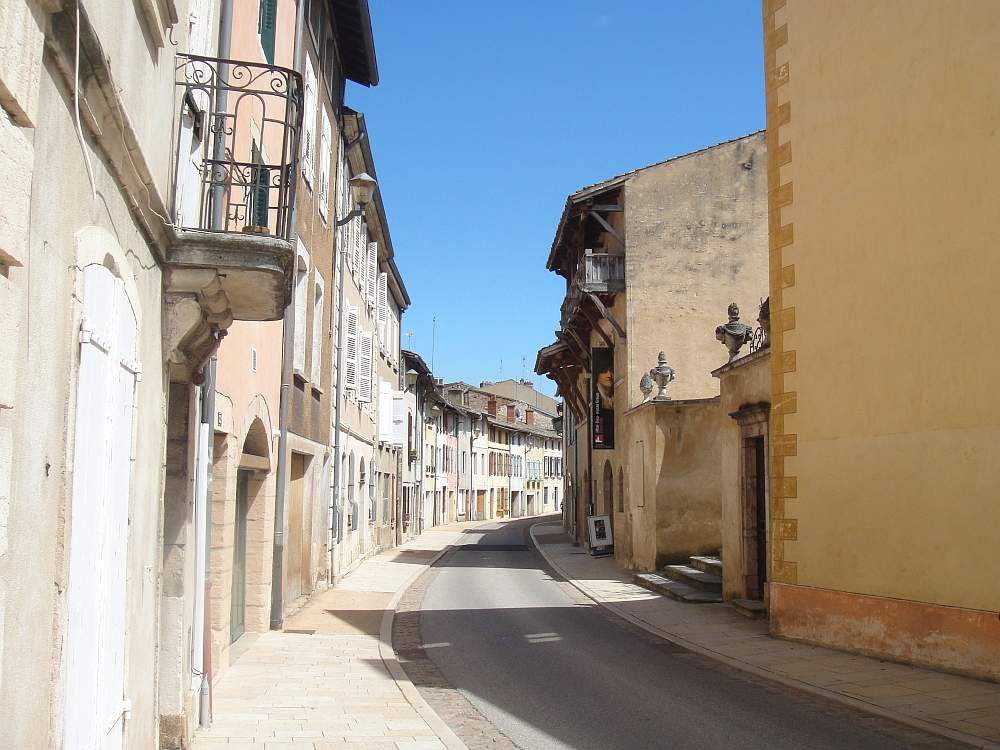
[(287, 355)]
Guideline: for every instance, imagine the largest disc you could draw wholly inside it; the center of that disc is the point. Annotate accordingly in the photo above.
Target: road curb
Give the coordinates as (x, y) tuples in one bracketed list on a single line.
[(869, 708), (388, 655)]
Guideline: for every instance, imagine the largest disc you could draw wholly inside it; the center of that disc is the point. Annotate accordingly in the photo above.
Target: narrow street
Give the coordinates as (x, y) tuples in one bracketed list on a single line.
[(549, 669)]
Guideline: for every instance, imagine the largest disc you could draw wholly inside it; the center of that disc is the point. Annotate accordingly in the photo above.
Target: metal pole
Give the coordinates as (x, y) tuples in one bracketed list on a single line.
[(287, 355)]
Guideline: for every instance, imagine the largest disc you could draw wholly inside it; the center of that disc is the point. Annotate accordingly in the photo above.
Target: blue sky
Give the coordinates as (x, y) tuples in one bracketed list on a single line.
[(489, 114)]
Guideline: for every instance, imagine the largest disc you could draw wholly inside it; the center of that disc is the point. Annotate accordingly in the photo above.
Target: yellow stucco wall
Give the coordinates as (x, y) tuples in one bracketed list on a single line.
[(883, 136)]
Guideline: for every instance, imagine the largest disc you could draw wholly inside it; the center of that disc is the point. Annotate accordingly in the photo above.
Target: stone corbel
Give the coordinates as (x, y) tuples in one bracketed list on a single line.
[(196, 317)]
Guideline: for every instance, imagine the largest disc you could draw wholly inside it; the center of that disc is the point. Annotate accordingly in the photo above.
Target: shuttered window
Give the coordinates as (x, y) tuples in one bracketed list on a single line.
[(359, 238), (365, 363), (324, 166), (267, 18), (351, 349), (317, 332), (371, 276), (381, 303), (309, 123)]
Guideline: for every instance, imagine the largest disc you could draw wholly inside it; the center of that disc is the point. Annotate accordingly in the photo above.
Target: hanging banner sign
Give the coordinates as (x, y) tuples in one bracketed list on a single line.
[(602, 397)]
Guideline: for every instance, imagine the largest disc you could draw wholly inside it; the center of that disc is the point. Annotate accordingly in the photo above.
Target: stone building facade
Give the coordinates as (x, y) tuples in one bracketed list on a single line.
[(651, 259)]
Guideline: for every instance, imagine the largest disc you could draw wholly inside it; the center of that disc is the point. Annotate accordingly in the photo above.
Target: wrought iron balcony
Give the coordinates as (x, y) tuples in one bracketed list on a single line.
[(238, 141)]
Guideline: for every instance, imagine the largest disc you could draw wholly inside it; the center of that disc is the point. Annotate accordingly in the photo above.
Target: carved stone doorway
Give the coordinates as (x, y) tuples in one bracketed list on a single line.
[(752, 419)]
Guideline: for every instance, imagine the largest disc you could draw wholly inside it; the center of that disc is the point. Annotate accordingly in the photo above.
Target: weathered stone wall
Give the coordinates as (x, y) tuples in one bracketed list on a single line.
[(696, 240)]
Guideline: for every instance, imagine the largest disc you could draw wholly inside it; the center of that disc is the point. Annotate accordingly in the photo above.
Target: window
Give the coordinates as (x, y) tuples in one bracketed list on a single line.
[(267, 14), (365, 365), (308, 122), (301, 301), (382, 310), (352, 506), (317, 332), (351, 349), (324, 166)]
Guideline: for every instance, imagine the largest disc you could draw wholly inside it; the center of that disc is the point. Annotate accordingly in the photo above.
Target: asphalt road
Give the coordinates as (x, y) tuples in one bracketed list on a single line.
[(551, 670)]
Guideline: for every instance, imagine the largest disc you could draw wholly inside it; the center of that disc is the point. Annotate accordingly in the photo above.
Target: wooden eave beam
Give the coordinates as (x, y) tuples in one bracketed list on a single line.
[(606, 314), (607, 227), (595, 322)]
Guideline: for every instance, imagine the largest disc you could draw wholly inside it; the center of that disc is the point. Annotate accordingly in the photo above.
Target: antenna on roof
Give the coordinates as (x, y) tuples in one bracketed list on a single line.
[(409, 340)]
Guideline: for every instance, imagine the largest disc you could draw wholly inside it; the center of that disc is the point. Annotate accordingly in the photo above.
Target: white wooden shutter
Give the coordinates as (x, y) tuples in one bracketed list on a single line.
[(398, 418), (365, 363), (309, 123), (95, 635), (372, 278), (384, 411), (381, 303), (317, 332), (324, 166), (351, 349), (359, 238)]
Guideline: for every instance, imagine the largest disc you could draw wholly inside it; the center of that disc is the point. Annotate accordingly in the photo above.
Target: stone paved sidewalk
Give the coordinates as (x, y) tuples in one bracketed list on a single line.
[(960, 708), (339, 687)]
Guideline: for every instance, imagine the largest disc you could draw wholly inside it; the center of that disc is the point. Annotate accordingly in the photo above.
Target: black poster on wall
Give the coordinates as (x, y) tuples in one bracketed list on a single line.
[(602, 396)]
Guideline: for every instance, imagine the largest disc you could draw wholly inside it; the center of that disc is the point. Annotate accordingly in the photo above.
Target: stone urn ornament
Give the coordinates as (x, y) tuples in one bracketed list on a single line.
[(734, 334), (663, 375), (646, 386)]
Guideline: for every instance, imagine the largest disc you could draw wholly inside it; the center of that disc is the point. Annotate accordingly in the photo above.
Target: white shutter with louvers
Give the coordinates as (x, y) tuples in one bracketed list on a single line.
[(384, 411), (324, 166), (358, 240), (398, 417), (365, 363), (372, 278), (351, 349), (381, 304), (309, 123)]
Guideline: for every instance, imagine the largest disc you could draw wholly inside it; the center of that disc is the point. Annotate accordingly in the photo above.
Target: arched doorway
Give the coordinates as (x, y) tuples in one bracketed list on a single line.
[(254, 466)]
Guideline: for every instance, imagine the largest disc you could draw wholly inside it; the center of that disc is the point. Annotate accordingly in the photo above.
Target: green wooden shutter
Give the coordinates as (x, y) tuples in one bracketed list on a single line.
[(266, 22)]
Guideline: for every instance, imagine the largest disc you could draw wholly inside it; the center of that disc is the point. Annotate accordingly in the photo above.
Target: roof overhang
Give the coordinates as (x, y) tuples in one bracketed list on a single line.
[(352, 24), (573, 202)]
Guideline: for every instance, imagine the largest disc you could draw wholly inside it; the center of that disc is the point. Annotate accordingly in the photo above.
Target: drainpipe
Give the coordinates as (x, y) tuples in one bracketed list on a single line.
[(287, 355), (334, 515)]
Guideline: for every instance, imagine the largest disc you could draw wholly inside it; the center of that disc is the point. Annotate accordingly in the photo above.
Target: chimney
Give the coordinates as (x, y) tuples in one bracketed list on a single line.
[(529, 416), (491, 406), (511, 413)]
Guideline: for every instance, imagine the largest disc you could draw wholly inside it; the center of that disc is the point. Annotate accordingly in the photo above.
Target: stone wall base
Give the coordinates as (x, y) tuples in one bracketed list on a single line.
[(953, 639)]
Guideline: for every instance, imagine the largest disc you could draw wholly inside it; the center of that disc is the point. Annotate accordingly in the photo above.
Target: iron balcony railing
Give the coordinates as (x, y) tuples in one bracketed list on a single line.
[(238, 144)]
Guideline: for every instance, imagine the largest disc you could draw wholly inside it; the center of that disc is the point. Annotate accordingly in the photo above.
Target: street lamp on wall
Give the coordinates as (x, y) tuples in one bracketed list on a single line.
[(362, 190)]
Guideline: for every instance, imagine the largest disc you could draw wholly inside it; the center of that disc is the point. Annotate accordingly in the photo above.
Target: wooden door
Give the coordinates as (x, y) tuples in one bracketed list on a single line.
[(293, 539), (237, 608), (480, 503), (95, 703), (754, 516)]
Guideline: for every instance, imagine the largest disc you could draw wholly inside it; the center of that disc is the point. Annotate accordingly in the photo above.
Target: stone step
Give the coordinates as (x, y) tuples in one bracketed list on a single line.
[(752, 608), (707, 564), (675, 589), (694, 577)]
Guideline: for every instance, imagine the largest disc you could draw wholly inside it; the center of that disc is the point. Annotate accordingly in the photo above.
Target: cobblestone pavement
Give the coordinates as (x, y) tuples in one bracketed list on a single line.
[(961, 708), (334, 684)]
